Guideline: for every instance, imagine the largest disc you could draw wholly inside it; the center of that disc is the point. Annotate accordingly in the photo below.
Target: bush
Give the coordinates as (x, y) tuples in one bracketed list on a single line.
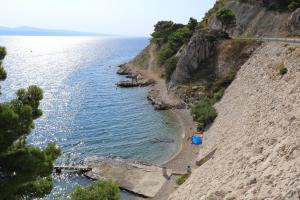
[(165, 53), (179, 37), (217, 96), (2, 53), (294, 5), (170, 66), (192, 25), (162, 30), (283, 71), (204, 113), (226, 17), (175, 41), (102, 190), (180, 180)]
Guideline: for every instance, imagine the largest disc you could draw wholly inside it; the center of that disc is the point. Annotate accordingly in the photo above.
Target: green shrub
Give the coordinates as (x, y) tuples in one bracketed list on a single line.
[(180, 180), (217, 96), (165, 53), (102, 190), (3, 74), (162, 30), (170, 66), (2, 53), (226, 17), (192, 25), (179, 37), (204, 113), (283, 71), (294, 5), (175, 41)]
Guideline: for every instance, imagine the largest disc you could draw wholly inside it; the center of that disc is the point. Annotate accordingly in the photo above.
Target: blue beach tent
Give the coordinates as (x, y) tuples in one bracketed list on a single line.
[(196, 139)]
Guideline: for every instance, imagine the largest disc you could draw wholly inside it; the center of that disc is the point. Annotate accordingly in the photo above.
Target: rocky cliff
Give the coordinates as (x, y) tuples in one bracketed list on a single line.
[(253, 19), (256, 133), (192, 58), (210, 53)]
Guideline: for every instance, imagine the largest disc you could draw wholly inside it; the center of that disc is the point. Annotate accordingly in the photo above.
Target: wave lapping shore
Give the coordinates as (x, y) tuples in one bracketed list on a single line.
[(162, 98)]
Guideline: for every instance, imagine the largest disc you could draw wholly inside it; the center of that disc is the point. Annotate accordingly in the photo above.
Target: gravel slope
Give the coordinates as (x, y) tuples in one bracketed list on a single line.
[(257, 133)]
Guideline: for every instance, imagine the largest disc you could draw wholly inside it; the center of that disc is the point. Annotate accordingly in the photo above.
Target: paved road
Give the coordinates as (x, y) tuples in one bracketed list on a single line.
[(287, 40)]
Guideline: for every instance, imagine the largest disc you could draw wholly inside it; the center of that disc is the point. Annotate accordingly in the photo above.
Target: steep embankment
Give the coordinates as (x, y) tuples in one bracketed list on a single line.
[(253, 19), (256, 133)]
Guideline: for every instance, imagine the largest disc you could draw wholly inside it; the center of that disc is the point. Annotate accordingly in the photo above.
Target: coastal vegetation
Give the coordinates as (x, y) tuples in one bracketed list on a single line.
[(170, 66), (102, 190), (204, 112), (282, 69), (25, 169), (181, 179), (226, 17), (170, 37)]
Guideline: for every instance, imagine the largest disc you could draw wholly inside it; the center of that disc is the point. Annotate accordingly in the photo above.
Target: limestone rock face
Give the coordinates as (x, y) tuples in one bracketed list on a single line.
[(254, 20), (294, 20), (202, 46)]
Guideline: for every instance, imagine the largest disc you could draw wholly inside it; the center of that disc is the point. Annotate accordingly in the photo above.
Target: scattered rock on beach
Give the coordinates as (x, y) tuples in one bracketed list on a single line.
[(139, 83), (156, 100)]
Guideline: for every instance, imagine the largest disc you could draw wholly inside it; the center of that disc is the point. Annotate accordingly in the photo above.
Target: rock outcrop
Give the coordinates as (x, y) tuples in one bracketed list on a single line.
[(256, 133), (202, 46), (254, 20), (156, 100), (294, 21)]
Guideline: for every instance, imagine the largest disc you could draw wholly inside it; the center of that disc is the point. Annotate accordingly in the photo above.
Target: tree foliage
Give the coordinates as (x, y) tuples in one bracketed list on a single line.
[(293, 5), (102, 190), (25, 170), (179, 37), (192, 25), (162, 30), (170, 37), (226, 17), (170, 66)]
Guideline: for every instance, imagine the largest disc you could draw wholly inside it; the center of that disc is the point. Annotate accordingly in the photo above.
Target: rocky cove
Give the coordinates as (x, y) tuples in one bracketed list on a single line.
[(253, 87)]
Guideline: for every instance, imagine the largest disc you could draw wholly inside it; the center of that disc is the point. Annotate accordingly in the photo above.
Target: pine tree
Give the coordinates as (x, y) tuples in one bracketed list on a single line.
[(25, 170)]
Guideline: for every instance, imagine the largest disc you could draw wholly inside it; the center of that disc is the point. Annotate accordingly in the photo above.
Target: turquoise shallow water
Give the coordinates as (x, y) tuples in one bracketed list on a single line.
[(84, 112)]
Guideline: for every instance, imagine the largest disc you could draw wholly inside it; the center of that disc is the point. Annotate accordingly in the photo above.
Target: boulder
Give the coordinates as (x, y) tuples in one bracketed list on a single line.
[(124, 70)]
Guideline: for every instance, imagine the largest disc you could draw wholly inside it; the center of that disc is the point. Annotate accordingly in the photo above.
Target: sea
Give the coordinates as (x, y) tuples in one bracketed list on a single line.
[(84, 112)]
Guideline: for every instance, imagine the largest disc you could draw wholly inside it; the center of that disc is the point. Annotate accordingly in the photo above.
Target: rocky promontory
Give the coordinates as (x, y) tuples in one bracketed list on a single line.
[(159, 104)]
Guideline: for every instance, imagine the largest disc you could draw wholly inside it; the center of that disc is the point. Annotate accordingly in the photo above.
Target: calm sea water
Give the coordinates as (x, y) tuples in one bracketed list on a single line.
[(84, 112)]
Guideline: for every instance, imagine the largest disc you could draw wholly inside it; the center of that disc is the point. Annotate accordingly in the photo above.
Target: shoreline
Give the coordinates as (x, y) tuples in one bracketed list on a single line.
[(186, 153)]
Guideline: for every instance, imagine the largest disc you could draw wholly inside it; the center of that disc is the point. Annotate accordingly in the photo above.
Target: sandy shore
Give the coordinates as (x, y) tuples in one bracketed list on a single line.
[(187, 153)]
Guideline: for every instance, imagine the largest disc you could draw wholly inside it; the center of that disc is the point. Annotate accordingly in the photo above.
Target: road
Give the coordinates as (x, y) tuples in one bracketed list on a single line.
[(287, 40)]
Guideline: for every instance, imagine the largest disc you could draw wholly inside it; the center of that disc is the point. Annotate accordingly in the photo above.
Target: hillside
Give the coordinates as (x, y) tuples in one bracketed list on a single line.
[(253, 19), (256, 133)]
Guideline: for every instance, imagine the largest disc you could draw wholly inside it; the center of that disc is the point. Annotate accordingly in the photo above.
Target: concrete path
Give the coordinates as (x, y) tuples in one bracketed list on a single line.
[(144, 180)]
